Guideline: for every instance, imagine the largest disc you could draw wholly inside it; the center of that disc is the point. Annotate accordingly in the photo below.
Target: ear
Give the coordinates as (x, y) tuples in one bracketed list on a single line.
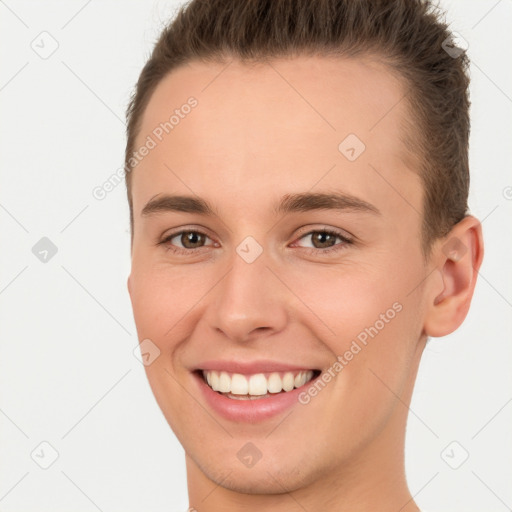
[(457, 258)]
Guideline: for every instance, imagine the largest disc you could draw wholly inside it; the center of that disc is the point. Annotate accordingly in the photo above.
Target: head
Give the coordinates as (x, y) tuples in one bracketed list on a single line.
[(319, 151)]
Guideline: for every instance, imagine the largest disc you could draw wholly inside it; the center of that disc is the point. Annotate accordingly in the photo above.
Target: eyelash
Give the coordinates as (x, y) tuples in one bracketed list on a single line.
[(310, 250)]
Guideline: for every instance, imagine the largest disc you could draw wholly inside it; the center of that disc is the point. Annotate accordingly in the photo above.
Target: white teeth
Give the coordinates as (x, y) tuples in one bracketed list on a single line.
[(300, 379), (239, 385), (274, 383), (214, 381), (256, 385), (224, 383), (288, 381)]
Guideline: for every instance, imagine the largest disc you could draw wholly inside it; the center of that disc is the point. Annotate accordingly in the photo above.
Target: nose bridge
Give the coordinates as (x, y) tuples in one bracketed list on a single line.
[(248, 297)]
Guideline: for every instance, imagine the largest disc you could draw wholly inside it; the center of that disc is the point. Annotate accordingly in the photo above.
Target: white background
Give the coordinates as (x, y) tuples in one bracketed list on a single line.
[(67, 372)]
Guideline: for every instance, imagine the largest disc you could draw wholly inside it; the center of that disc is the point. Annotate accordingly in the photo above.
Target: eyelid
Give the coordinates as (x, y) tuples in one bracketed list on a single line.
[(307, 230), (185, 229)]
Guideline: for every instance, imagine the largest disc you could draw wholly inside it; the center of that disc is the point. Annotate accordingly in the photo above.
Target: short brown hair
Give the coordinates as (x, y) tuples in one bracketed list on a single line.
[(409, 35)]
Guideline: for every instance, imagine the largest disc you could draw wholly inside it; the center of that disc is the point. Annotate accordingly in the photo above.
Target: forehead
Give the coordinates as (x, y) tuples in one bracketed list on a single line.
[(275, 125)]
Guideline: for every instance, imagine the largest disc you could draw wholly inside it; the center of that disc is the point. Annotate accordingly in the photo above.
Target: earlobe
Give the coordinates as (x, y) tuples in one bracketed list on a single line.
[(458, 258)]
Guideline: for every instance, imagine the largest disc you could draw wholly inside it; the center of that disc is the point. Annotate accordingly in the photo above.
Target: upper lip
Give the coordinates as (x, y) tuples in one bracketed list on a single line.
[(251, 367)]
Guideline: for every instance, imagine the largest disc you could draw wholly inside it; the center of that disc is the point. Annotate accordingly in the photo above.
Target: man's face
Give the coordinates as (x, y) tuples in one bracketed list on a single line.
[(263, 290)]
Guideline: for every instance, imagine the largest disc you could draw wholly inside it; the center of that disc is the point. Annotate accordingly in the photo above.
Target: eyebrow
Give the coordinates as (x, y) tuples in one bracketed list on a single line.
[(173, 203), (308, 201), (289, 203)]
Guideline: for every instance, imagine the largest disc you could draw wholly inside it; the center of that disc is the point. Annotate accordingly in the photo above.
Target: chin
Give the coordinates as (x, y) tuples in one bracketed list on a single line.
[(266, 477)]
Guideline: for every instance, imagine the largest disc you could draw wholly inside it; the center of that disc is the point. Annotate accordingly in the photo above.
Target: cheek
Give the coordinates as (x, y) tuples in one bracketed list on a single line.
[(369, 319), (162, 301), (161, 295), (345, 300)]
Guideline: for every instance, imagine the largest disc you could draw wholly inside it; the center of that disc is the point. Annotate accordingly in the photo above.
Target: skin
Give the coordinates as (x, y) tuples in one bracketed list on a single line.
[(260, 132)]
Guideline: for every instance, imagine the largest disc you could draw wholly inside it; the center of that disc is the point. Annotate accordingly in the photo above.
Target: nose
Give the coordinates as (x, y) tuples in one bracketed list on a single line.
[(248, 303)]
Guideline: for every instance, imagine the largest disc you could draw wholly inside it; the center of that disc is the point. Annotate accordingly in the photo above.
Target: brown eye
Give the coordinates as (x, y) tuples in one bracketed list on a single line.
[(185, 241), (323, 240), (192, 239)]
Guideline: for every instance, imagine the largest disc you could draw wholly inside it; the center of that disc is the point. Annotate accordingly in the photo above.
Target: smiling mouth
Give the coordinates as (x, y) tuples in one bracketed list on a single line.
[(258, 385)]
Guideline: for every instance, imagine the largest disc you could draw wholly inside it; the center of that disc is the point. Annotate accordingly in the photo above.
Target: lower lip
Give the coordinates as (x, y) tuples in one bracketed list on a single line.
[(249, 411)]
